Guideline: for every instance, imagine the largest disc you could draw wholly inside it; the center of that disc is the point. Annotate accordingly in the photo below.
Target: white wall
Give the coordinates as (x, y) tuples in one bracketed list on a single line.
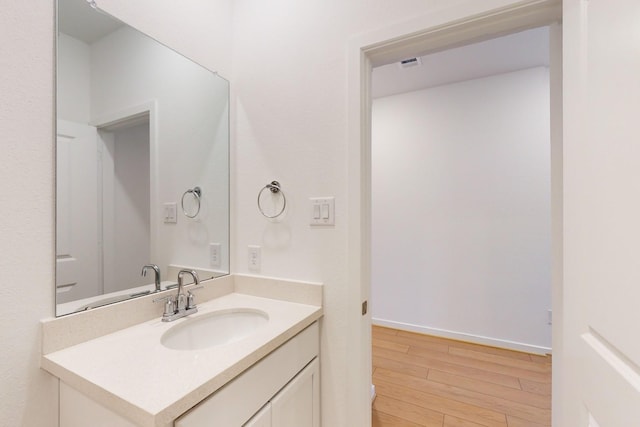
[(461, 210), (28, 396), (290, 82)]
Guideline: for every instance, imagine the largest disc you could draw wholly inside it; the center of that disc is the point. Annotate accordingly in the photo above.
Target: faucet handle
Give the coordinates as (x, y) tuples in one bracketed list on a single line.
[(168, 306), (190, 297)]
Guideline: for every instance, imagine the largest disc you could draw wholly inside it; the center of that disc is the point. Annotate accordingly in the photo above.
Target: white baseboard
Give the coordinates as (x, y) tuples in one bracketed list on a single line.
[(461, 336)]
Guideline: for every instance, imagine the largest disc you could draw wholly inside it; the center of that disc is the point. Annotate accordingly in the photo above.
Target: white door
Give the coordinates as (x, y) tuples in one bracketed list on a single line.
[(77, 231), (601, 296)]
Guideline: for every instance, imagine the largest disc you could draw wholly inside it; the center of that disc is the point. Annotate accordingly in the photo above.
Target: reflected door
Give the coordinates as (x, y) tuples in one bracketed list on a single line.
[(78, 270)]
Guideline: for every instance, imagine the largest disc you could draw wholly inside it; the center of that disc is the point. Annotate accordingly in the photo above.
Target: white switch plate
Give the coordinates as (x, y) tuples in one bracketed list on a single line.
[(322, 211), (170, 213), (254, 258), (214, 254)]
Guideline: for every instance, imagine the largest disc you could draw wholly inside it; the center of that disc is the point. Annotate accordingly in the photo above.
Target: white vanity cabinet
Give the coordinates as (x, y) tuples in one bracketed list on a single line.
[(129, 378), (262, 418), (281, 390), (78, 410), (296, 405)]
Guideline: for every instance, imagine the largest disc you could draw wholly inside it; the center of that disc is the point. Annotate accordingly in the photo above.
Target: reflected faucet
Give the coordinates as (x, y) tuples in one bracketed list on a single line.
[(156, 270)]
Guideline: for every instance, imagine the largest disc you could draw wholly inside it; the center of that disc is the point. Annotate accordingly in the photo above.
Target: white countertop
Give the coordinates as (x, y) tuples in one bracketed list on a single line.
[(131, 373)]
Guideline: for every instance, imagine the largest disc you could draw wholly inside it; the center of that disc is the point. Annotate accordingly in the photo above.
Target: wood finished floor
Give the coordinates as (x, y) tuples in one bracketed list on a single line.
[(423, 380)]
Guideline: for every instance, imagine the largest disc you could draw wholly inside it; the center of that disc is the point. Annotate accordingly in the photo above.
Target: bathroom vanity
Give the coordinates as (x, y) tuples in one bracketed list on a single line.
[(260, 368), (249, 355)]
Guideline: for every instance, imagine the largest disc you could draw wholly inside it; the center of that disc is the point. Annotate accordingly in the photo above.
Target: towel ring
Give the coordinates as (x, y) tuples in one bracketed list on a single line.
[(197, 193), (274, 187)]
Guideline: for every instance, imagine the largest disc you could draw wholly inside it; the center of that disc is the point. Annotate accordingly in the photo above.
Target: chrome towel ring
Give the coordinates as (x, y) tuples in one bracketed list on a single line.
[(274, 187), (197, 193)]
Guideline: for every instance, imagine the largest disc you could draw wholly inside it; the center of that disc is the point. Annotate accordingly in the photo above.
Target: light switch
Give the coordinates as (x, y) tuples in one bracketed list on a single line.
[(322, 211), (170, 213), (325, 211)]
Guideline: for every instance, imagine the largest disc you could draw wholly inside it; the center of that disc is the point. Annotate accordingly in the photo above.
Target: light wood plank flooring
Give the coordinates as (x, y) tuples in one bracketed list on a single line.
[(423, 380)]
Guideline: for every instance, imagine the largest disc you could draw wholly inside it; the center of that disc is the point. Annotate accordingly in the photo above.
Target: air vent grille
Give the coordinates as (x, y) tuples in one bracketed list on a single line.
[(410, 62)]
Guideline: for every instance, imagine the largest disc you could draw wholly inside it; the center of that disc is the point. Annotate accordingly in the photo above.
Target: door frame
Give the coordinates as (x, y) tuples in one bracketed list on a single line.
[(439, 30), (130, 114)]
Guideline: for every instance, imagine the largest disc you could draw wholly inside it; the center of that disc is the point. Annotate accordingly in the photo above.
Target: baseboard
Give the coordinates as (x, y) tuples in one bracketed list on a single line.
[(461, 336)]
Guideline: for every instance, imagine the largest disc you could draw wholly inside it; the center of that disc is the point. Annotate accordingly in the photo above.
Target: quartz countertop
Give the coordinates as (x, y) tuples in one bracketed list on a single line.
[(132, 374)]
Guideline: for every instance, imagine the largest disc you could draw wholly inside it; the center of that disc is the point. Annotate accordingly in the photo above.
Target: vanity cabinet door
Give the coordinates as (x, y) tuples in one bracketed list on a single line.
[(262, 418), (298, 403)]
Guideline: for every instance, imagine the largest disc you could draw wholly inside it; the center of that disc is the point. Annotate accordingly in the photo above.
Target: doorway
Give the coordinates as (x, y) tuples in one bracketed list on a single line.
[(461, 193), (125, 200), (426, 35)]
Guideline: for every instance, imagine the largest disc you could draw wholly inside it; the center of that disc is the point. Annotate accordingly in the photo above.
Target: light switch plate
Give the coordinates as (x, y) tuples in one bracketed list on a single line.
[(170, 213), (322, 211)]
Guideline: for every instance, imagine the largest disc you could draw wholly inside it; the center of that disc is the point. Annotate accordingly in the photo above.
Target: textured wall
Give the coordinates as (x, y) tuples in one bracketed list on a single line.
[(27, 395)]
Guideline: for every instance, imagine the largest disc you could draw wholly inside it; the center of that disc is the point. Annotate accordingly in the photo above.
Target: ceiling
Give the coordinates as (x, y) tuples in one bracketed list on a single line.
[(81, 21), (505, 54)]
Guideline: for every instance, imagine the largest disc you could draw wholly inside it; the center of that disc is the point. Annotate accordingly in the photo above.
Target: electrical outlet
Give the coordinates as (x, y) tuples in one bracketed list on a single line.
[(214, 254), (254, 258)]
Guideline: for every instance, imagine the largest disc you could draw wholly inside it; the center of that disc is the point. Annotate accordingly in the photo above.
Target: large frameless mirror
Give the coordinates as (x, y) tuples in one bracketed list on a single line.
[(142, 163)]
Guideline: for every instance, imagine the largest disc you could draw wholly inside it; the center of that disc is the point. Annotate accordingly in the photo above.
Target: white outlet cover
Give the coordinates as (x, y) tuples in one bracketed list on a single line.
[(254, 258), (214, 254)]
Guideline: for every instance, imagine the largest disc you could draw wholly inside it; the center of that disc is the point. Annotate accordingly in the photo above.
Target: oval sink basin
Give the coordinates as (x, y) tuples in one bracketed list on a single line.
[(213, 329)]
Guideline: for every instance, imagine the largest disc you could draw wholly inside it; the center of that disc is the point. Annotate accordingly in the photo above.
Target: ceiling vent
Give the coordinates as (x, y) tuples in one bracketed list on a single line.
[(410, 63)]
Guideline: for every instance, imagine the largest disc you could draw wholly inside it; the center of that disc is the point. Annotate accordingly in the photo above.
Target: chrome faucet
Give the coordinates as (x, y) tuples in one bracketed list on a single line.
[(185, 302), (181, 305), (156, 271)]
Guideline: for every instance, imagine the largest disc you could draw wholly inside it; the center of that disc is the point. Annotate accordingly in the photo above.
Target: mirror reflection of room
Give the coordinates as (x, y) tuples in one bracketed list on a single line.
[(139, 126)]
